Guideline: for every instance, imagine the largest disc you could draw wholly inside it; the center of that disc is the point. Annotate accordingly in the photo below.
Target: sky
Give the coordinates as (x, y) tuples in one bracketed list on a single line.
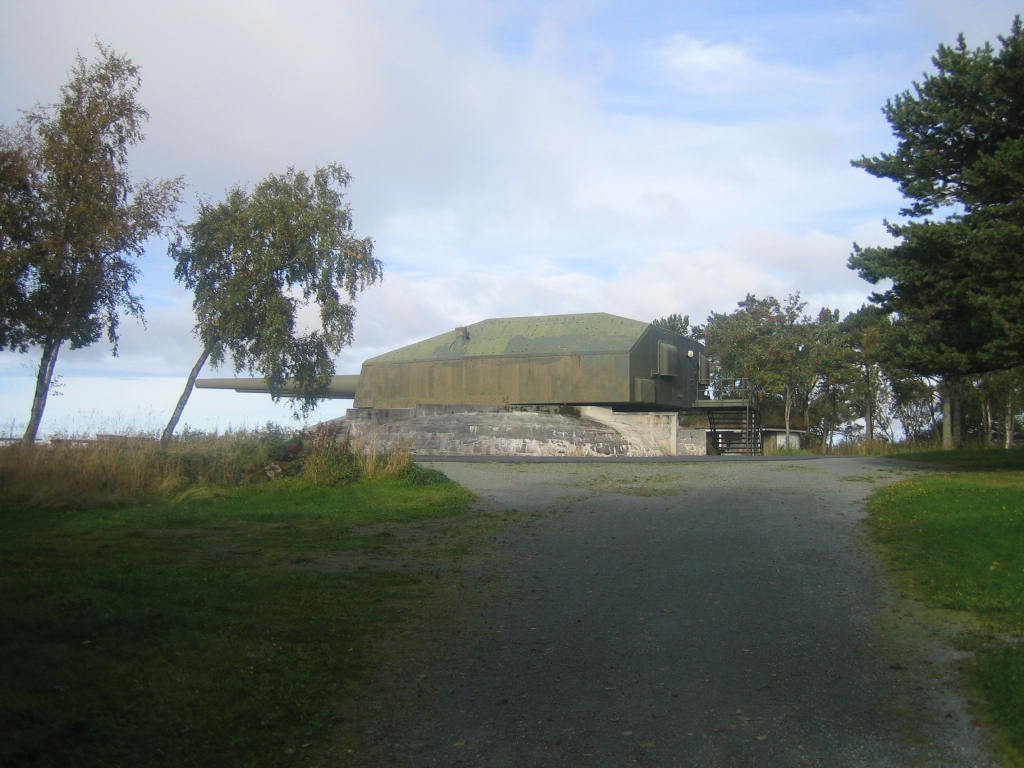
[(636, 157)]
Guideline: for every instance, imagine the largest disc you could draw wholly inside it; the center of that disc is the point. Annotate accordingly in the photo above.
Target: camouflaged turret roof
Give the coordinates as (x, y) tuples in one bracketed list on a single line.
[(591, 333)]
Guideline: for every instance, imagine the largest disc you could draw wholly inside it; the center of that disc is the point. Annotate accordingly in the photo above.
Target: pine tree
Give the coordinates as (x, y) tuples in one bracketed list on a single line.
[(957, 269)]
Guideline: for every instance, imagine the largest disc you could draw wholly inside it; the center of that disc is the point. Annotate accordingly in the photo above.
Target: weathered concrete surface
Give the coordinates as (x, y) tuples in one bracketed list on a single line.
[(650, 433), (523, 431), (688, 614)]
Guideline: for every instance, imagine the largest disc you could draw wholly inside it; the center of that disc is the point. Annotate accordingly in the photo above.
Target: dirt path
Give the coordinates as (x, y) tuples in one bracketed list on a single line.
[(689, 614)]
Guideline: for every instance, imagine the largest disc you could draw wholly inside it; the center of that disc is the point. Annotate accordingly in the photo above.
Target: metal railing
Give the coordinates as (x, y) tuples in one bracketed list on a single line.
[(727, 389)]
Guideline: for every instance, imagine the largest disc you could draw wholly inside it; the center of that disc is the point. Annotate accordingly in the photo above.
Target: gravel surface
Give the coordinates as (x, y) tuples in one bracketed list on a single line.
[(689, 614)]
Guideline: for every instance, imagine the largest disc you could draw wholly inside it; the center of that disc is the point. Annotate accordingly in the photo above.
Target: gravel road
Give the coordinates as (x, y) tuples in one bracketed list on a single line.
[(690, 614)]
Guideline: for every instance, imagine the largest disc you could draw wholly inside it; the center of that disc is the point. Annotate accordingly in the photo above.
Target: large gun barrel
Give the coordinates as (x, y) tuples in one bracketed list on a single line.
[(341, 387)]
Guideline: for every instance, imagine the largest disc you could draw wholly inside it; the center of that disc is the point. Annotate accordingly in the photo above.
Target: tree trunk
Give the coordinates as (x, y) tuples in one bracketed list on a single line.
[(958, 413), (788, 407), (826, 419), (869, 405), (990, 430), (952, 397), (869, 420), (947, 417), (1011, 421), (44, 377), (165, 438)]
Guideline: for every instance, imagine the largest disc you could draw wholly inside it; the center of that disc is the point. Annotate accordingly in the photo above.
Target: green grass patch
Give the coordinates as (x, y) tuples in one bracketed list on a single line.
[(234, 629), (970, 460), (998, 675), (957, 541)]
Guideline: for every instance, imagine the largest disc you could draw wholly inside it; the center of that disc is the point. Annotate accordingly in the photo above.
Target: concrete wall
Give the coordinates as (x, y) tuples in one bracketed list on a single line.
[(522, 431), (777, 441), (691, 442)]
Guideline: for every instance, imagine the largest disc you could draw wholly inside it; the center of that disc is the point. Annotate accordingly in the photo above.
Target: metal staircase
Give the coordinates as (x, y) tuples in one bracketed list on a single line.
[(734, 421), (735, 431)]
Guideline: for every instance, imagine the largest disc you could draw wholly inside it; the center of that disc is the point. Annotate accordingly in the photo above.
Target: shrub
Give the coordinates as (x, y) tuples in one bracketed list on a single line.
[(280, 444), (416, 475)]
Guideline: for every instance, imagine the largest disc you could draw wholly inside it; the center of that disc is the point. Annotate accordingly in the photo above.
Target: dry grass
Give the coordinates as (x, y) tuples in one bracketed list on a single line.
[(80, 475), (879, 448), (380, 463), (115, 470)]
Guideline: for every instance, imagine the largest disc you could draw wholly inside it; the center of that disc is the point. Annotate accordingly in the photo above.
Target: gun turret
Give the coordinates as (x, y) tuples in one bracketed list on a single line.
[(588, 359)]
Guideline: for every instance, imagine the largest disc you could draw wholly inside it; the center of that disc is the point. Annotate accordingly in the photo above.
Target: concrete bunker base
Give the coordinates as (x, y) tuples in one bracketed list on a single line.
[(452, 430)]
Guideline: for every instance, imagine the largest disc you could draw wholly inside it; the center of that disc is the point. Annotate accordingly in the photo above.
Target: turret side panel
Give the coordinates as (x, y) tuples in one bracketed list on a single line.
[(664, 369), (544, 379)]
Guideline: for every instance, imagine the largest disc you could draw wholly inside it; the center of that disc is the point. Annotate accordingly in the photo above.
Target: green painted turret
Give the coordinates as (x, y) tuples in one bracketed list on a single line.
[(583, 359)]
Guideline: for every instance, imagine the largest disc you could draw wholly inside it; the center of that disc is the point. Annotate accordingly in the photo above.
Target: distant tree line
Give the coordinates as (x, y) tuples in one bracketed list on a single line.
[(834, 379)]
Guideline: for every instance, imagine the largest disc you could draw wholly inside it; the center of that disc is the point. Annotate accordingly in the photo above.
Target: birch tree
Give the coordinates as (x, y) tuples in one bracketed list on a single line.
[(257, 261), (73, 221)]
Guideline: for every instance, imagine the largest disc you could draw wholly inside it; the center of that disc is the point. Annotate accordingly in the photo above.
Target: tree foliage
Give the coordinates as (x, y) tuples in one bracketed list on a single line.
[(957, 269), (821, 373), (679, 324), (765, 343), (864, 335), (72, 221), (835, 377), (274, 272)]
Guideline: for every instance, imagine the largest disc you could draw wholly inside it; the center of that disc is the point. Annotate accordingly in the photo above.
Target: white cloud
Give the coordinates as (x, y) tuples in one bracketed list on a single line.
[(695, 60), (722, 70), (948, 18), (499, 184)]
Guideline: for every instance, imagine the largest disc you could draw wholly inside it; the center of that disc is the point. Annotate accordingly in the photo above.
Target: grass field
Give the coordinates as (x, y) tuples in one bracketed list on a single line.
[(180, 608), (234, 628), (956, 540)]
